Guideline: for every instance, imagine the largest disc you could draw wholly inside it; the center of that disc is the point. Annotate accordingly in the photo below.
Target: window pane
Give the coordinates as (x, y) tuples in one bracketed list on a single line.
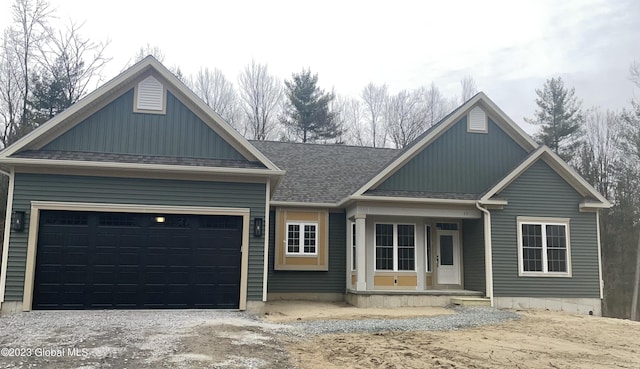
[(532, 247), (428, 249), (384, 234), (353, 246), (384, 246), (556, 236), (309, 239), (293, 238), (406, 246), (446, 250)]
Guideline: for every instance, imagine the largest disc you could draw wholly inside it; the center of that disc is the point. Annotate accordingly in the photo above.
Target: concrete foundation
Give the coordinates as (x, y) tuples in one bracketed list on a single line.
[(585, 306), (394, 300), (326, 297), (256, 308), (10, 307)]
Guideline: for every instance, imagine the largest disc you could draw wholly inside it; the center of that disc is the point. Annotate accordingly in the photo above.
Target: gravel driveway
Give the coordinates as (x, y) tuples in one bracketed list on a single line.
[(184, 339), (139, 339)]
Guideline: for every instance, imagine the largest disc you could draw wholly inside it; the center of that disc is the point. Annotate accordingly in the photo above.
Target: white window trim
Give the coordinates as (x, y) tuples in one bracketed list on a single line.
[(301, 238), (354, 250), (395, 248), (542, 221)]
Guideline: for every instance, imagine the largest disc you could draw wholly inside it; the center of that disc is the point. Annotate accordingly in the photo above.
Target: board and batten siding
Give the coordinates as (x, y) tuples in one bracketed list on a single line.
[(44, 187), (541, 192), (459, 162), (331, 281), (117, 129), (473, 254)]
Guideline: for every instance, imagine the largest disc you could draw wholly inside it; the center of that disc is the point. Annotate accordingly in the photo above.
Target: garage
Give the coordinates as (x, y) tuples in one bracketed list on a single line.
[(111, 260)]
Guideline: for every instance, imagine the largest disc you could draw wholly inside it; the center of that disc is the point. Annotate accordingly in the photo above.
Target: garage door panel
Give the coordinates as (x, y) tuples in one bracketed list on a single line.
[(123, 260)]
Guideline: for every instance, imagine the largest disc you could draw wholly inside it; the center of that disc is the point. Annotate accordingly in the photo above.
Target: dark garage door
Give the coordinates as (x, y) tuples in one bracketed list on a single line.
[(137, 261)]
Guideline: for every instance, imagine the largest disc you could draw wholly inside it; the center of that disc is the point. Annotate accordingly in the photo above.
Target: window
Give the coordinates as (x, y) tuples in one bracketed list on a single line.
[(395, 247), (302, 238), (353, 246), (544, 246)]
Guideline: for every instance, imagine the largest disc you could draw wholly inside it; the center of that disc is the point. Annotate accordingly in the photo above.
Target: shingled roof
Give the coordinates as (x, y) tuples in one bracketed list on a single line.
[(318, 173)]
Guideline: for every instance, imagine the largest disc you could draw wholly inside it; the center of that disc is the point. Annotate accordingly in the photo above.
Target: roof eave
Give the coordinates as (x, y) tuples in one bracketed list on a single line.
[(26, 162)]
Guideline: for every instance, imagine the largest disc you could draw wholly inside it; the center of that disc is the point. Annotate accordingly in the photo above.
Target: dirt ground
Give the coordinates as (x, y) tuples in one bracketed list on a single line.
[(232, 340), (540, 339), (290, 311)]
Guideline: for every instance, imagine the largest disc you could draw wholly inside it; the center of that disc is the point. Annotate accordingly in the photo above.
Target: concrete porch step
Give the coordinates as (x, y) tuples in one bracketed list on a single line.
[(471, 301)]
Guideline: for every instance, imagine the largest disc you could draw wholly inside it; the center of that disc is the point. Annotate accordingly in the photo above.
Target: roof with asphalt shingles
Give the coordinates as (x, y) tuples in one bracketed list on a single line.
[(130, 158), (322, 173)]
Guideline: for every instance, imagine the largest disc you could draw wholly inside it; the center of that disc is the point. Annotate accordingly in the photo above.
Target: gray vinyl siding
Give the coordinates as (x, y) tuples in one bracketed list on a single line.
[(541, 192), (459, 162), (333, 280), (117, 129), (42, 187), (473, 254)]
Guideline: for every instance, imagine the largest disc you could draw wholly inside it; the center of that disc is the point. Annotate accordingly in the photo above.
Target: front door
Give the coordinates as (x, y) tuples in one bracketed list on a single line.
[(448, 258)]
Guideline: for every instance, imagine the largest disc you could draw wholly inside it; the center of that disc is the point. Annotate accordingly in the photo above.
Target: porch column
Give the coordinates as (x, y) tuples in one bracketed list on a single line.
[(361, 253)]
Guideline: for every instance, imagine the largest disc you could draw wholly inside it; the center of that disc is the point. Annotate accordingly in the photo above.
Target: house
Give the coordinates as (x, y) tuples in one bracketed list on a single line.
[(140, 196)]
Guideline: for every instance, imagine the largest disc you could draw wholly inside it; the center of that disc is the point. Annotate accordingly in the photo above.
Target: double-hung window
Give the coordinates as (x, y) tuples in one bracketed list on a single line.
[(544, 247), (395, 246), (302, 238)]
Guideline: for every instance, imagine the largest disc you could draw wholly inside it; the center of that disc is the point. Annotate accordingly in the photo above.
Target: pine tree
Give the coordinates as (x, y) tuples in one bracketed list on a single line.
[(307, 113), (560, 118)]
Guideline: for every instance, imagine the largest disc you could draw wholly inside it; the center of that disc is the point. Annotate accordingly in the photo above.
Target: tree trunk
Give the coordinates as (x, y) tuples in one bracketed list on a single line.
[(636, 285)]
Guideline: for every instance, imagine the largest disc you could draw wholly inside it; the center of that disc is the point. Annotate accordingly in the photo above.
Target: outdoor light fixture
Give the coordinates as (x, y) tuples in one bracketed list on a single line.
[(257, 227), (160, 219), (17, 221)]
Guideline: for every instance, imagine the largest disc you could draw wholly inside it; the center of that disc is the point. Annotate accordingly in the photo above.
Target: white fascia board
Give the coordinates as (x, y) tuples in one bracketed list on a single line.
[(504, 182), (141, 167), (411, 200), (298, 204)]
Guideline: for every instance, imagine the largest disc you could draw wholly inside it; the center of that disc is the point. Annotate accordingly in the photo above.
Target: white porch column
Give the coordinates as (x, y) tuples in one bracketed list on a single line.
[(361, 253)]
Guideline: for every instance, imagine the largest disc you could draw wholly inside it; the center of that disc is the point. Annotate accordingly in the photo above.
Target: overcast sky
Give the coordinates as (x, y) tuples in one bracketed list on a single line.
[(509, 47)]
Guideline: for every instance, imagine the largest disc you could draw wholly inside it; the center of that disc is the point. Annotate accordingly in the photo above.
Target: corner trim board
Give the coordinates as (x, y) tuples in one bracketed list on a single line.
[(7, 235)]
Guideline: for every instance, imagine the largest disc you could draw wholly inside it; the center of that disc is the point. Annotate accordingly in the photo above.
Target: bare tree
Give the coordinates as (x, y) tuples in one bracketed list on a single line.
[(148, 49), (435, 104), (75, 61), (11, 93), (634, 73), (599, 150), (260, 96), (219, 93), (31, 30), (469, 88), (349, 113), (406, 117), (375, 99)]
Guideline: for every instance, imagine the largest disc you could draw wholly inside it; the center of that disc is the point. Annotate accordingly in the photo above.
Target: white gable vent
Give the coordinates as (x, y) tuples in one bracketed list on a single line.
[(150, 95), (477, 120)]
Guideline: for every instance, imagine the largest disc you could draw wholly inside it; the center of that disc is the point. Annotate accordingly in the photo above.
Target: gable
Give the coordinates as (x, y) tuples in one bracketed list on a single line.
[(117, 128), (459, 161), (541, 187)]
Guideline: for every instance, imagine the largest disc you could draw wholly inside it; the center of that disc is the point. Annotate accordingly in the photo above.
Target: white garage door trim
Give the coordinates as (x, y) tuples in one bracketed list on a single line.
[(37, 206)]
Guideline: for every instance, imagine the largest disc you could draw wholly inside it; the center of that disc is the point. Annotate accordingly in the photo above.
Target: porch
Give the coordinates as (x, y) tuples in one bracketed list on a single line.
[(414, 255)]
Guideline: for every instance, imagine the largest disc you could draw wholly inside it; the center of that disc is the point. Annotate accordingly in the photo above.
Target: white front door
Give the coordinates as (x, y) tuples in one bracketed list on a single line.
[(448, 258)]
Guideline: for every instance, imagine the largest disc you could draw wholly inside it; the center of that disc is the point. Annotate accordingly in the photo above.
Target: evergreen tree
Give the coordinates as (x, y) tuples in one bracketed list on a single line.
[(307, 113), (560, 118)]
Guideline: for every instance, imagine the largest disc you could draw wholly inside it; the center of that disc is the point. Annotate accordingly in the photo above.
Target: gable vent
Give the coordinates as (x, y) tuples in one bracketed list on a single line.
[(150, 95), (477, 120)]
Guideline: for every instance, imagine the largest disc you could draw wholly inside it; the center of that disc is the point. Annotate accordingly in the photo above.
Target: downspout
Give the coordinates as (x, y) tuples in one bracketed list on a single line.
[(488, 261)]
